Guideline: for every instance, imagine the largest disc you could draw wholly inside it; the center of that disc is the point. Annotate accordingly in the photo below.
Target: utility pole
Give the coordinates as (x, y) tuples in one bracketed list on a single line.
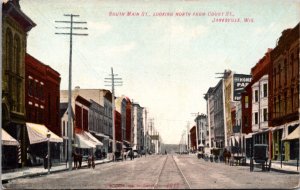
[(71, 33), (188, 137), (1, 102), (146, 133), (113, 81)]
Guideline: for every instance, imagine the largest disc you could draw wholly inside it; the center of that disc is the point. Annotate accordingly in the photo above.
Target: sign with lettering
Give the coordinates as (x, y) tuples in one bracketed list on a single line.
[(240, 81)]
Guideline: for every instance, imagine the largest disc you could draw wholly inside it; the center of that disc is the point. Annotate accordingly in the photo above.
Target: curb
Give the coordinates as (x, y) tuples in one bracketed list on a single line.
[(277, 170), (46, 172)]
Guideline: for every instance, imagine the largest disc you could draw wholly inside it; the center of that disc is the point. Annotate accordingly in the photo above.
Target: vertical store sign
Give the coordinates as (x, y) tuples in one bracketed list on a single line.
[(240, 81)]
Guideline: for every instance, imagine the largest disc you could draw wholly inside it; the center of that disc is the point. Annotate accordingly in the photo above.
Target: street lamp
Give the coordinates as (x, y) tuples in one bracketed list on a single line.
[(48, 141)]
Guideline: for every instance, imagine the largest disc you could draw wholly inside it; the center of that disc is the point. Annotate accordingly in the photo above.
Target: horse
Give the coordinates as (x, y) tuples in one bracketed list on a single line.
[(226, 155), (77, 159)]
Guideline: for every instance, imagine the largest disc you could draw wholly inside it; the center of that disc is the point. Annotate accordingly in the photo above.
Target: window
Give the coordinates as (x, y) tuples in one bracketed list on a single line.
[(265, 112), (246, 121), (256, 118), (256, 95), (246, 101), (265, 88)]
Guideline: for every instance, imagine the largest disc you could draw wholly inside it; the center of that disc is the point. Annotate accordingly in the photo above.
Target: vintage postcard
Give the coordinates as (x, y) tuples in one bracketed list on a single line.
[(150, 94)]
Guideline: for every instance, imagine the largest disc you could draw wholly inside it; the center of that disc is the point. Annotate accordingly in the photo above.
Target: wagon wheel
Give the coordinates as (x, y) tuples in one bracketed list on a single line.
[(270, 162), (251, 165)]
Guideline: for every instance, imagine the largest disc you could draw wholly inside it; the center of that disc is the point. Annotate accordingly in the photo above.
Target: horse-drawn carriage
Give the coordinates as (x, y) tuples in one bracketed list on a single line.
[(260, 156)]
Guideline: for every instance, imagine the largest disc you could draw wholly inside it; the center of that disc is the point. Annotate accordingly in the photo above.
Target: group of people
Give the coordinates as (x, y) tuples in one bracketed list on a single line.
[(77, 157)]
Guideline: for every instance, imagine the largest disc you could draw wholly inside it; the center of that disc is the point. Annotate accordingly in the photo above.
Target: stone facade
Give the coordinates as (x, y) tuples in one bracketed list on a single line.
[(15, 26)]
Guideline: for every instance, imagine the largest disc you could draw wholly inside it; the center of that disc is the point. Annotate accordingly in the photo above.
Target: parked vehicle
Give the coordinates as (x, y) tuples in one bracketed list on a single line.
[(260, 156)]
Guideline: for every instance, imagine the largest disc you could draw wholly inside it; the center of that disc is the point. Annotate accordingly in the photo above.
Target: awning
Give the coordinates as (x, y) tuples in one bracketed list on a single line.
[(249, 135), (293, 135), (92, 138), (8, 140), (85, 139), (82, 142), (101, 135), (37, 133)]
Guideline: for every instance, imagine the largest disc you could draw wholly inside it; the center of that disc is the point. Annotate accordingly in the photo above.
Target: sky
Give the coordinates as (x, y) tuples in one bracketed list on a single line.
[(166, 52)]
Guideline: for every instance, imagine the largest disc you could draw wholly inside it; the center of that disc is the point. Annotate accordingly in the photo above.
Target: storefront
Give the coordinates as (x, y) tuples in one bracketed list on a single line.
[(38, 148), (9, 151), (291, 143), (86, 143)]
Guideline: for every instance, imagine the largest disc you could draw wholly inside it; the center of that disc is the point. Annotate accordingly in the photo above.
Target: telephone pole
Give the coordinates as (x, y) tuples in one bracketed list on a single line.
[(71, 33), (113, 81)]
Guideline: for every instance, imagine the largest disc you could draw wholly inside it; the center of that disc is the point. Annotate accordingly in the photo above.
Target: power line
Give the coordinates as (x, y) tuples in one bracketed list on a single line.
[(71, 33)]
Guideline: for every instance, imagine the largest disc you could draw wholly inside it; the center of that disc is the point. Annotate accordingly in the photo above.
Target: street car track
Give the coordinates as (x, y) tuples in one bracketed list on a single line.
[(179, 172)]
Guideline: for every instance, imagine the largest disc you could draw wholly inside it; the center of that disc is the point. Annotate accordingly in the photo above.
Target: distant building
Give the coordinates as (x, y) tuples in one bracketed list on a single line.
[(102, 97), (193, 139), (209, 97), (138, 139), (121, 105), (219, 115)]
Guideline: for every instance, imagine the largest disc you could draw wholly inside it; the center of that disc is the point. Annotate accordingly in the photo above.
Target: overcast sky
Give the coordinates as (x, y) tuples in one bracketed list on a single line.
[(167, 62)]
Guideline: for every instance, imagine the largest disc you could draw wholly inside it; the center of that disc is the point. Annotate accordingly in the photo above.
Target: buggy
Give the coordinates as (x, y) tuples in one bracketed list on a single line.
[(260, 156)]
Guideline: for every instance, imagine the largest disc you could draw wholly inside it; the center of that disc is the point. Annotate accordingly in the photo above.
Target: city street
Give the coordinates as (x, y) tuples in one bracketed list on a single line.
[(160, 172)]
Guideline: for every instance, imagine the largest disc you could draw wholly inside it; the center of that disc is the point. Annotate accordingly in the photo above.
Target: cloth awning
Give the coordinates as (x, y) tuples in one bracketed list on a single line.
[(85, 139), (92, 138), (8, 140), (82, 142), (293, 135), (249, 135), (37, 133), (101, 135)]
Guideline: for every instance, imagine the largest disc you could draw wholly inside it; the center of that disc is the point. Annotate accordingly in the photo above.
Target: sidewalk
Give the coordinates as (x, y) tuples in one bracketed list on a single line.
[(39, 170), (286, 167)]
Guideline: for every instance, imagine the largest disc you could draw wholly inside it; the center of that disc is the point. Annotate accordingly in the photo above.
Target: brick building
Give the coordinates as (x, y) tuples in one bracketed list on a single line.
[(284, 94), (42, 94)]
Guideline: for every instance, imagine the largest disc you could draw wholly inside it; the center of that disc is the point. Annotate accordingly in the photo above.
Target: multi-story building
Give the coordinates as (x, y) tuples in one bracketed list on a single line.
[(193, 139), (201, 123), (15, 27), (129, 122), (103, 98), (118, 131), (64, 128), (246, 123), (121, 104), (284, 94), (42, 85), (97, 127), (259, 86), (138, 139), (209, 97), (234, 85), (219, 115), (42, 90)]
